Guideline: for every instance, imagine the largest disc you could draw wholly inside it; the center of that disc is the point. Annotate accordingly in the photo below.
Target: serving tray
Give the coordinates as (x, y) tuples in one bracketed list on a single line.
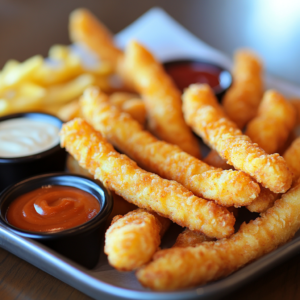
[(167, 40)]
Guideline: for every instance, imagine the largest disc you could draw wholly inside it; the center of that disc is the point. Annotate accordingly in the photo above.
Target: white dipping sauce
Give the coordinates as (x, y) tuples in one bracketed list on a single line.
[(23, 136)]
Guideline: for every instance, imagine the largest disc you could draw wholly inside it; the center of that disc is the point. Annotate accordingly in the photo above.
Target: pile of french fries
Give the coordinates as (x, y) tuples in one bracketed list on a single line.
[(163, 178)]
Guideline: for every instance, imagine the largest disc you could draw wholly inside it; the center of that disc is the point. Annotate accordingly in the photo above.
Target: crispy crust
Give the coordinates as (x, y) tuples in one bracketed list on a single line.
[(190, 238), (274, 122), (221, 134), (162, 98), (146, 190), (292, 157), (227, 188), (177, 268), (131, 240), (264, 201), (242, 99)]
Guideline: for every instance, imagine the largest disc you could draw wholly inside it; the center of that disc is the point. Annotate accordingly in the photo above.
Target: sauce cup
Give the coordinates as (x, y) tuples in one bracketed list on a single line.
[(187, 71), (81, 243), (53, 159)]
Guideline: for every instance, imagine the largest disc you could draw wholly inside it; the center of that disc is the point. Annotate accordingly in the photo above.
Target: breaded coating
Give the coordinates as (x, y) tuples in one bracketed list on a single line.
[(264, 201), (242, 100), (131, 240), (86, 29), (190, 238), (227, 188), (144, 189), (222, 135), (161, 96), (177, 268), (131, 104), (275, 120), (292, 158), (214, 159)]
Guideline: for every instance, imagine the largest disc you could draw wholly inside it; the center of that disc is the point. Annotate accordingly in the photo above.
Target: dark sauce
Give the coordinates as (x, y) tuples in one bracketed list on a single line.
[(186, 72)]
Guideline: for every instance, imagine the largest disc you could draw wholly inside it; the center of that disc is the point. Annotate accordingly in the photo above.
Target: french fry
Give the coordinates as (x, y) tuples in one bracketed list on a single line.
[(224, 136), (69, 111), (131, 240), (62, 93), (178, 268), (162, 98), (146, 190), (276, 118), (16, 73), (227, 188), (242, 100)]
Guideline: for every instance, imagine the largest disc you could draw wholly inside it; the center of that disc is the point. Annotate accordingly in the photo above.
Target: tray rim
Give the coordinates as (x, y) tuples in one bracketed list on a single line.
[(82, 279)]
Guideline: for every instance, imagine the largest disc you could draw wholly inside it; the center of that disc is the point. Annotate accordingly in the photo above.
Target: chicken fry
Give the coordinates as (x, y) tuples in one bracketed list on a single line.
[(274, 122), (162, 98), (222, 135), (292, 157), (131, 240), (177, 268), (264, 201), (225, 187), (242, 99), (146, 190), (131, 104), (190, 238), (84, 28)]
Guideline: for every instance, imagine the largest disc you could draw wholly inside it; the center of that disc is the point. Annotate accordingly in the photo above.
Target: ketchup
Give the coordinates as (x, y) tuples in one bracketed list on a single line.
[(187, 72), (52, 209)]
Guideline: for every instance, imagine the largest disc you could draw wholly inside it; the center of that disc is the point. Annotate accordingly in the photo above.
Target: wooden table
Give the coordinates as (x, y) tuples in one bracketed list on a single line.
[(20, 280)]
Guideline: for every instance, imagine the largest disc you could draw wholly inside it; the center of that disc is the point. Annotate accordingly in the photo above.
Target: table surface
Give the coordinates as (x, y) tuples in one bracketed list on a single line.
[(213, 21), (21, 280)]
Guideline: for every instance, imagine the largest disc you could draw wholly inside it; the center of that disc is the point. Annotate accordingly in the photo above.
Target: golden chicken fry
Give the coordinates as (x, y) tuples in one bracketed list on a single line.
[(121, 206), (215, 160), (178, 268), (84, 28), (162, 98), (276, 118), (227, 188), (146, 190), (264, 201), (296, 104), (242, 99), (238, 150), (190, 238), (292, 157), (132, 240), (131, 104)]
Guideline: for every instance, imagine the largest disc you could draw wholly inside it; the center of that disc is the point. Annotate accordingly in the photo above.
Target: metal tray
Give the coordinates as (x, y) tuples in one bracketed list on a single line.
[(165, 38), (103, 282)]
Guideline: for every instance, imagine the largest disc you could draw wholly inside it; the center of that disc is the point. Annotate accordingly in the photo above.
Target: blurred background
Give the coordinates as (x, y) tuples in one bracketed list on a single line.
[(270, 27)]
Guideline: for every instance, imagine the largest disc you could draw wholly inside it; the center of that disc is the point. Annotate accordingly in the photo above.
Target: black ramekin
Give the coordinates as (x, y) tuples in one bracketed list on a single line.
[(81, 243), (225, 77), (15, 169)]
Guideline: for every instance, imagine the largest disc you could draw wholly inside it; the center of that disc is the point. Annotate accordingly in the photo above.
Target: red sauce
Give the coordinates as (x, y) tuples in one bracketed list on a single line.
[(52, 209), (185, 73)]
